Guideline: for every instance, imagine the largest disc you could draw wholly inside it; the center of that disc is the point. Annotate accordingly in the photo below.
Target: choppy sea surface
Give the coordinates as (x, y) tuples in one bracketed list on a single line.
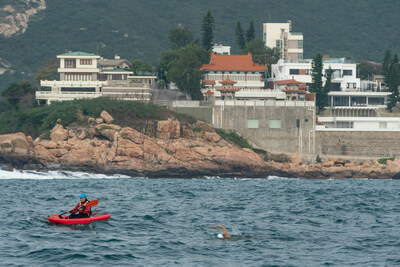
[(166, 222)]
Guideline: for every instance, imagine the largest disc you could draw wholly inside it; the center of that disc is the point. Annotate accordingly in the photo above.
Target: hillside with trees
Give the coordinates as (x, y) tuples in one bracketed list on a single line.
[(362, 30)]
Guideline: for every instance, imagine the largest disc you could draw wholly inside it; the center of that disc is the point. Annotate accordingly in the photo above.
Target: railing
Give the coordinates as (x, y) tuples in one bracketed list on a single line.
[(267, 103)]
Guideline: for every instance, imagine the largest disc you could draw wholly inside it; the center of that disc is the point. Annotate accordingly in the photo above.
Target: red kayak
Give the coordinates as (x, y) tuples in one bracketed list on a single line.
[(92, 218)]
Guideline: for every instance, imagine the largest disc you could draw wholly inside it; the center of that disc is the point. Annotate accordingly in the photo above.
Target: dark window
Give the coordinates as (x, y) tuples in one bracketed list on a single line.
[(340, 101), (102, 77), (294, 71), (298, 123), (347, 72), (335, 87), (376, 101), (77, 89), (358, 101), (69, 63)]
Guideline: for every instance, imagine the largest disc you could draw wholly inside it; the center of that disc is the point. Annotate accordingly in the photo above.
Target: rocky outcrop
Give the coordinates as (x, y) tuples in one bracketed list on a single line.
[(15, 15), (171, 149)]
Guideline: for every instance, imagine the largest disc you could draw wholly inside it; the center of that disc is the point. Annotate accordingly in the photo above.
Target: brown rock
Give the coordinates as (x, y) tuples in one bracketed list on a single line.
[(205, 127), (99, 120), (187, 132), (295, 159), (169, 129), (60, 134), (14, 143), (91, 120), (393, 166), (211, 136), (132, 135), (328, 163), (106, 117)]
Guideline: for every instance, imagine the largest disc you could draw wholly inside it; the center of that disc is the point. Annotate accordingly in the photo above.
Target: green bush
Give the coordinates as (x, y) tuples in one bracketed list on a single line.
[(234, 138), (384, 160)]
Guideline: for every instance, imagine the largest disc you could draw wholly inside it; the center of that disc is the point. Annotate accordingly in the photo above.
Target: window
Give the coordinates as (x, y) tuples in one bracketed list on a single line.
[(274, 124), (298, 123), (300, 56), (348, 85), (300, 44), (374, 101), (69, 63), (86, 62), (347, 72), (354, 85), (340, 101), (294, 71), (278, 44), (252, 124)]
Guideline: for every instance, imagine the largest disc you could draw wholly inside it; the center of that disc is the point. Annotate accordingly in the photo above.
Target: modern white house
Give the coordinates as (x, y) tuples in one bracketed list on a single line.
[(280, 36), (86, 75)]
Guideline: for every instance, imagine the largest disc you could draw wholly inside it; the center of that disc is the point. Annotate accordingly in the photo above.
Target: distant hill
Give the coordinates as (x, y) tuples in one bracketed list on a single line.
[(139, 29)]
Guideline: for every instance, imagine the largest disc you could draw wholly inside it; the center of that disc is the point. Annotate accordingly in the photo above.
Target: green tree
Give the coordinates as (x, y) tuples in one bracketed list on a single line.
[(20, 95), (139, 66), (385, 66), (366, 69), (182, 66), (47, 72), (207, 31), (251, 32), (393, 83), (241, 42), (180, 36), (316, 86), (262, 54)]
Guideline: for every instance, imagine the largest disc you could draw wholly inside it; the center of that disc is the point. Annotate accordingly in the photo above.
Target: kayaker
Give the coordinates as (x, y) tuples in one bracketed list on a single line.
[(225, 233), (80, 210)]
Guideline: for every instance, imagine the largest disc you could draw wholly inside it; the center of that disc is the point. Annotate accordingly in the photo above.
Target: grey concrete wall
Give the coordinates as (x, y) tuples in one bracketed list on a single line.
[(291, 137), (358, 144), (200, 113)]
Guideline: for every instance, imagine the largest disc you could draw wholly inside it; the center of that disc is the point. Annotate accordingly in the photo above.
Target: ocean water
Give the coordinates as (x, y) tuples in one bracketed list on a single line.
[(166, 222)]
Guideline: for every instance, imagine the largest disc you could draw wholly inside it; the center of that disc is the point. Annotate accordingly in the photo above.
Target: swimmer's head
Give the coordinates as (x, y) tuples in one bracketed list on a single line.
[(220, 236)]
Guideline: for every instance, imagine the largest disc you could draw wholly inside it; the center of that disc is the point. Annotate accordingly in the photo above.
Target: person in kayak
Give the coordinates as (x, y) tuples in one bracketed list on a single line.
[(80, 210), (225, 233)]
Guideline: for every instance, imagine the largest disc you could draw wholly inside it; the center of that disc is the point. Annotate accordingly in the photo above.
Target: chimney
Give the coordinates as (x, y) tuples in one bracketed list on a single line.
[(117, 57)]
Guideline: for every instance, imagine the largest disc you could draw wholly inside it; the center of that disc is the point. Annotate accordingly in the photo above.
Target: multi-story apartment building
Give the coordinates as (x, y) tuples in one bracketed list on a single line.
[(86, 75), (346, 90), (281, 37)]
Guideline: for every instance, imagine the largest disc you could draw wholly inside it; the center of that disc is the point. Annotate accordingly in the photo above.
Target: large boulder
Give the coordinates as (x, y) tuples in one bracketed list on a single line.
[(106, 117), (59, 134), (14, 143)]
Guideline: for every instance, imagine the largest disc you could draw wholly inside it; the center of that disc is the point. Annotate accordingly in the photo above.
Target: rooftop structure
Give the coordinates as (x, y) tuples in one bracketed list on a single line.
[(281, 37), (221, 49)]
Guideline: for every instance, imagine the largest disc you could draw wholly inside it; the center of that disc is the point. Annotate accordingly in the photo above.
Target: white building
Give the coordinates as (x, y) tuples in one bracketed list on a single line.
[(358, 124), (346, 90), (85, 75), (280, 36), (221, 49)]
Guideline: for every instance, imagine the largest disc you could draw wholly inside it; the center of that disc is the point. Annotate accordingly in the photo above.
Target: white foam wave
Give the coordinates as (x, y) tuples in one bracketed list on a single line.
[(43, 175)]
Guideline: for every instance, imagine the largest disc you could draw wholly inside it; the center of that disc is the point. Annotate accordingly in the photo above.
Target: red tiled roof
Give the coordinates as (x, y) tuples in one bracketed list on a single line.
[(228, 81), (208, 82), (228, 89), (209, 92), (292, 81), (233, 63)]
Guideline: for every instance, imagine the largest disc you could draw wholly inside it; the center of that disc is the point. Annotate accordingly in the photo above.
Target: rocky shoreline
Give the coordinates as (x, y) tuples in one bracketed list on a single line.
[(166, 149)]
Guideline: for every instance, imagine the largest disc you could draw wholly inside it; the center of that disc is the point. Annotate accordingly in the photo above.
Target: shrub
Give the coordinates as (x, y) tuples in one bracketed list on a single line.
[(384, 160)]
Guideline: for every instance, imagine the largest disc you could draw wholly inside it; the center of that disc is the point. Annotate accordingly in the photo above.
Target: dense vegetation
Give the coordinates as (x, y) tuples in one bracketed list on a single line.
[(40, 120), (136, 29)]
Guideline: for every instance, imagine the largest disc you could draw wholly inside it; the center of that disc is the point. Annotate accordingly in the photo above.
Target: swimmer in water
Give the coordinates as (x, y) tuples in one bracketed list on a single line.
[(225, 233)]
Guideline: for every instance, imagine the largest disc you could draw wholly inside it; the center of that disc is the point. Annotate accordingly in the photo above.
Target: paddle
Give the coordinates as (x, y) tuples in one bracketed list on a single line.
[(89, 204)]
